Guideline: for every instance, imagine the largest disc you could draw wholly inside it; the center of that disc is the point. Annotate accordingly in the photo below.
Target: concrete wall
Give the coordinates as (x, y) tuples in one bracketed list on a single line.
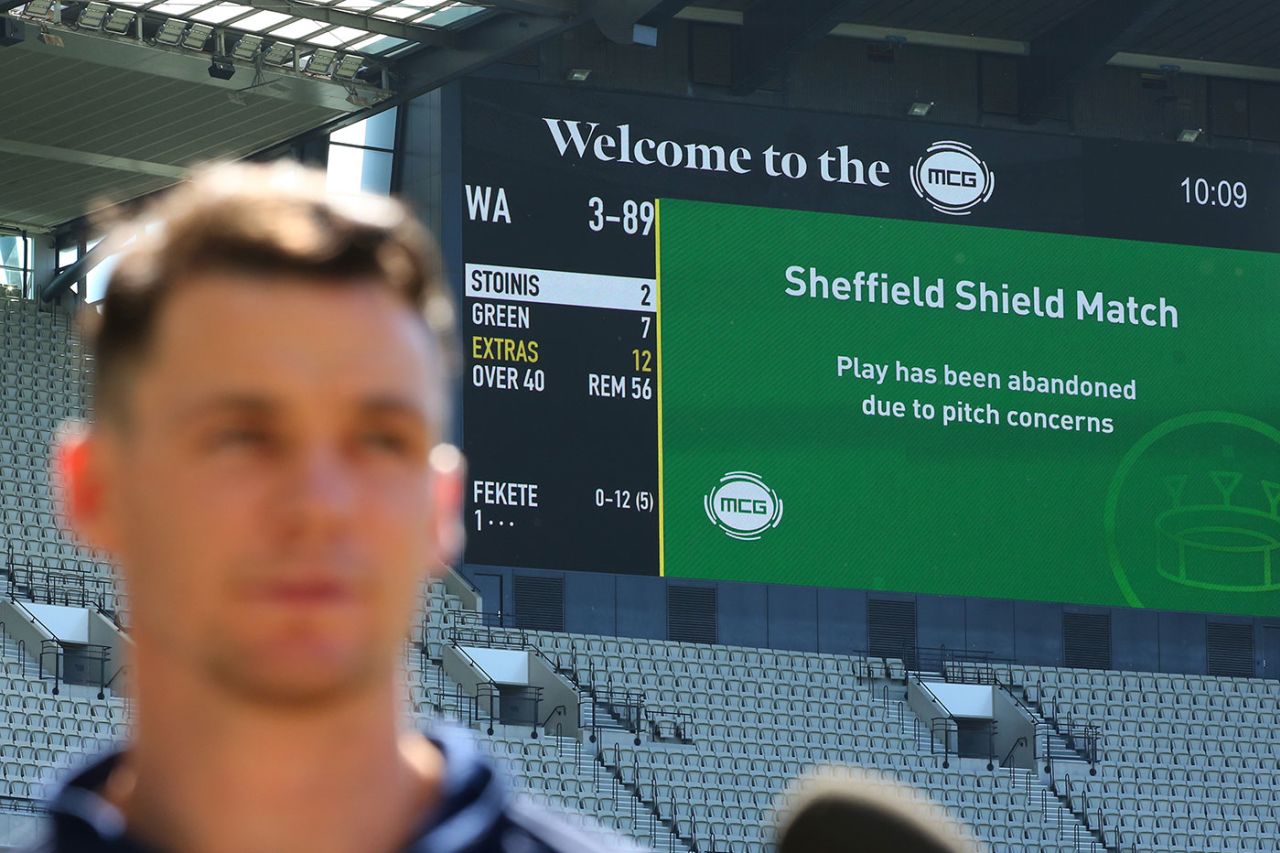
[(459, 668), (1012, 724), (504, 666), (835, 621), (556, 694), (20, 629), (965, 700), (103, 632), (68, 624), (927, 707), (20, 831)]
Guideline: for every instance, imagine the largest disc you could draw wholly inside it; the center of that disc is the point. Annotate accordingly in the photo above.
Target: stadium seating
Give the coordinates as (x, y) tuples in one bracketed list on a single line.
[(1186, 762)]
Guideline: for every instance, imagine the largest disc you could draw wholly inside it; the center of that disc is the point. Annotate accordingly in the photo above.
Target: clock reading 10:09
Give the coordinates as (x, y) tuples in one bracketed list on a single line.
[(1207, 193)]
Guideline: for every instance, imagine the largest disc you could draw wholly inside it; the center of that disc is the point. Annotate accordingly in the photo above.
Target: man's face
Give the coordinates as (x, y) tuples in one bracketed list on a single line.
[(268, 495)]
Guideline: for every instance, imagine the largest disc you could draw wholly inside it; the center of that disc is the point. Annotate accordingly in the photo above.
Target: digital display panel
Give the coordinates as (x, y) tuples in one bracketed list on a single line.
[(1130, 286)]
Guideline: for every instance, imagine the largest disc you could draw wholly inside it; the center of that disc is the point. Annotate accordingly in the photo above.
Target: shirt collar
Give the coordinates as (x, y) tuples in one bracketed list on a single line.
[(472, 798)]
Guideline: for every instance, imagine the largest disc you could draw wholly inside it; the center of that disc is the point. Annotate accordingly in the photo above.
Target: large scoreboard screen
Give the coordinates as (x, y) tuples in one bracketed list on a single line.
[(745, 343)]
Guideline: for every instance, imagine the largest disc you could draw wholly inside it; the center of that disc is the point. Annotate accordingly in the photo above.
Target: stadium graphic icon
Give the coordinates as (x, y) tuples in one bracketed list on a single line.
[(1192, 517), (952, 178), (1220, 546), (742, 505)]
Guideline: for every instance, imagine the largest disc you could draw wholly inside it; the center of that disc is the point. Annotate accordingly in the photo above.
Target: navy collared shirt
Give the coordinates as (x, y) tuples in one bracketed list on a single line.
[(476, 813)]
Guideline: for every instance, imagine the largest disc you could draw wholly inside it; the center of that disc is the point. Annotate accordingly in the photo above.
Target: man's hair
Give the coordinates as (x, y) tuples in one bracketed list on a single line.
[(265, 220)]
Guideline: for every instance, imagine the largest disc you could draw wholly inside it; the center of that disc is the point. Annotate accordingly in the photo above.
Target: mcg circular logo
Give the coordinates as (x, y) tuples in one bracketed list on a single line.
[(952, 178), (742, 505)]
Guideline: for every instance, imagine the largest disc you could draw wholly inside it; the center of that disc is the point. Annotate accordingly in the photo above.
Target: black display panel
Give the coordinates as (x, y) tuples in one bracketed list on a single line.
[(555, 191)]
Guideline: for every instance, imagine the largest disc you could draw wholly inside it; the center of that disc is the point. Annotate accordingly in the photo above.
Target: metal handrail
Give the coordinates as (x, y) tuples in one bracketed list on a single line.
[(651, 803), (92, 651), (1022, 741), (559, 709), (34, 618), (23, 805), (116, 675), (943, 723)]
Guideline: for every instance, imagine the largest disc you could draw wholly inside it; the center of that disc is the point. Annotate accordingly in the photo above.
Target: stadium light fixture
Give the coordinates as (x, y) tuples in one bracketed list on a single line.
[(92, 16), (38, 9), (197, 36), (119, 20), (320, 64), (1190, 134), (170, 32), (278, 53), (578, 75), (348, 66), (920, 108), (247, 47)]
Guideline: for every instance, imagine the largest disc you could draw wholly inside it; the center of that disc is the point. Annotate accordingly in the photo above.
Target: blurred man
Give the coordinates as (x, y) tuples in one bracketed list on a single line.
[(266, 468)]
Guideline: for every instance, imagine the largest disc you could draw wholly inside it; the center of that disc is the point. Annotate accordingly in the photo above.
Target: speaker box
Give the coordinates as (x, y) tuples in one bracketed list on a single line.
[(12, 31)]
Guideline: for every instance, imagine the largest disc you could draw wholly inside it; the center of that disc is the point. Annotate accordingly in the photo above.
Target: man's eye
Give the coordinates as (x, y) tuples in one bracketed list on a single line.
[(385, 441), (240, 437)]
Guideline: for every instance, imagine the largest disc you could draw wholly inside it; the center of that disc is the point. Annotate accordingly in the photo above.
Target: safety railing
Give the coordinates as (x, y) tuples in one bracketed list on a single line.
[(645, 802), (1078, 804), (21, 805), (41, 584), (87, 660), (1084, 738), (470, 628), (669, 724), (943, 728)]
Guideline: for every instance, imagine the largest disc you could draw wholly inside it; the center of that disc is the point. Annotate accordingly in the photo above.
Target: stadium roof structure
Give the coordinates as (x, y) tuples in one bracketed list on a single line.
[(107, 100), (1059, 40), (112, 99)]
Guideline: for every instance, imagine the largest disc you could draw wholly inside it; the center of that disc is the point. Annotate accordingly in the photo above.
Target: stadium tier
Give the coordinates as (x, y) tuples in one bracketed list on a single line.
[(680, 746)]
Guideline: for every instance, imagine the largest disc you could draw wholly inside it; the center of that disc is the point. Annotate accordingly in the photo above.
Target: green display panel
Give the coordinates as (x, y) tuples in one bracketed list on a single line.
[(848, 401)]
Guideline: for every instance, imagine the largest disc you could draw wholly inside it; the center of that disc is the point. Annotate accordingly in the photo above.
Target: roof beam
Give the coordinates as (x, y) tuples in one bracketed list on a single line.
[(90, 158), (345, 18), (553, 8), (476, 46), (775, 31), (631, 21), (1059, 59)]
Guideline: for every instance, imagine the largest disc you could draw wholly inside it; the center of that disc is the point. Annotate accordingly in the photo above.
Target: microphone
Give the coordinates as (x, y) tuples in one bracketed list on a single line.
[(842, 810)]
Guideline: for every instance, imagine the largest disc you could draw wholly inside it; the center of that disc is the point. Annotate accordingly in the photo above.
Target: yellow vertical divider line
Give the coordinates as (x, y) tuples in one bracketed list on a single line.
[(657, 290)]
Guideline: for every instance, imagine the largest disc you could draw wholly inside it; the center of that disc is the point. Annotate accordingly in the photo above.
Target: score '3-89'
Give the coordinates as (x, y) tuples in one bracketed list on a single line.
[(635, 220)]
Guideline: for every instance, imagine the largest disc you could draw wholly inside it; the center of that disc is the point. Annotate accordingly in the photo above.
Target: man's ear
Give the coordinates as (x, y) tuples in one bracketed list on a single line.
[(80, 486), (448, 470)]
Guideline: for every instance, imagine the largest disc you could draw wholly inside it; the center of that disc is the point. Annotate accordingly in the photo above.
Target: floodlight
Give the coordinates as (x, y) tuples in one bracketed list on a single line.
[(278, 53), (577, 75), (348, 66), (247, 46), (92, 16), (197, 36), (120, 20), (321, 62), (920, 108), (171, 31), (1189, 134), (38, 9)]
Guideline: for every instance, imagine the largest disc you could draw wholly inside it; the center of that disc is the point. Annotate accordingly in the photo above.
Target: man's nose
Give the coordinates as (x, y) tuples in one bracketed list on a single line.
[(322, 487)]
